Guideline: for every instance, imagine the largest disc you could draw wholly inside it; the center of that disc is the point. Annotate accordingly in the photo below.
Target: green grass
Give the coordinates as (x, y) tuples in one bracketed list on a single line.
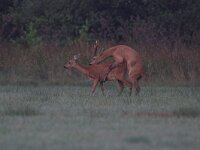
[(51, 117)]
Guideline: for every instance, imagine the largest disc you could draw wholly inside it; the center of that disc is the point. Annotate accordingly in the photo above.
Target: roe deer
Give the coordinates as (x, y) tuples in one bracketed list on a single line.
[(96, 73), (122, 53)]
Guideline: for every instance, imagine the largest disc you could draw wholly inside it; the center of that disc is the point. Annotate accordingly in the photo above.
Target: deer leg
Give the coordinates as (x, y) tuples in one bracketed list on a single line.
[(137, 87), (102, 88), (95, 82), (129, 84), (121, 86), (112, 66), (136, 79), (137, 84)]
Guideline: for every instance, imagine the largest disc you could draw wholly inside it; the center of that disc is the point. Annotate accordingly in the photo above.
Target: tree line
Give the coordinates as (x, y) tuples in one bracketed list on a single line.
[(33, 21)]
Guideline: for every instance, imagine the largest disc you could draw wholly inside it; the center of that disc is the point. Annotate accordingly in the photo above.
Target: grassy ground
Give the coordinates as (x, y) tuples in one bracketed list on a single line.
[(67, 117)]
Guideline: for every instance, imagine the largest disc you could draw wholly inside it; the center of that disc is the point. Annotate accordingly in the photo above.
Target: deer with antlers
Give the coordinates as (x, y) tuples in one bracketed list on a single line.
[(96, 73), (122, 53)]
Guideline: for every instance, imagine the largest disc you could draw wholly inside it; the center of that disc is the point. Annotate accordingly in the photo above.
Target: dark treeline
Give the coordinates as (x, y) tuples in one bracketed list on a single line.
[(33, 21), (38, 36)]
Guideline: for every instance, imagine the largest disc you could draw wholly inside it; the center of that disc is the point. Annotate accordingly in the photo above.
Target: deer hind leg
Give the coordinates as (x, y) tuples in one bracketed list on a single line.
[(130, 85), (95, 82), (121, 86), (137, 87), (135, 78), (113, 65), (127, 83), (102, 88)]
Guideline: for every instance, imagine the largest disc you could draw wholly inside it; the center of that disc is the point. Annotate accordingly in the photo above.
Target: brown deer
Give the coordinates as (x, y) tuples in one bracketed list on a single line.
[(96, 73), (122, 53)]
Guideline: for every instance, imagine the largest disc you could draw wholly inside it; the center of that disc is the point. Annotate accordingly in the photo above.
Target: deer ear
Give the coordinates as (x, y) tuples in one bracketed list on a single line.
[(77, 56)]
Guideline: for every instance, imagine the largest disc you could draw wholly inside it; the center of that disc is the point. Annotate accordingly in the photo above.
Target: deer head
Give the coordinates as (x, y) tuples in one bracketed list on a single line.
[(72, 62), (96, 52), (96, 59)]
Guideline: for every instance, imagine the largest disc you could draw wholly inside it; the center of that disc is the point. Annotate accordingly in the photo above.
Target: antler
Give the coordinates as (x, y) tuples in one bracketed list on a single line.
[(95, 48), (76, 56)]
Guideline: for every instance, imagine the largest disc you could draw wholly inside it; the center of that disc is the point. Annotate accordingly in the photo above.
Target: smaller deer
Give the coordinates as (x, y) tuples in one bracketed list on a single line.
[(96, 73)]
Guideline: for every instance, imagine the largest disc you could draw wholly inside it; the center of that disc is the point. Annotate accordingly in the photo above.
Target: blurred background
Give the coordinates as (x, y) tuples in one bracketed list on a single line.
[(37, 37)]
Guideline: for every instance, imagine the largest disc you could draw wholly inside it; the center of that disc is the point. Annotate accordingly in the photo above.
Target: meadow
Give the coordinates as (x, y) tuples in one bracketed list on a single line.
[(46, 107), (51, 117)]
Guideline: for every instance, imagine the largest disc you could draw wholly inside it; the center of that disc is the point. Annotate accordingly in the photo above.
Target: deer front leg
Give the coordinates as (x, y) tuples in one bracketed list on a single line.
[(95, 82), (112, 66)]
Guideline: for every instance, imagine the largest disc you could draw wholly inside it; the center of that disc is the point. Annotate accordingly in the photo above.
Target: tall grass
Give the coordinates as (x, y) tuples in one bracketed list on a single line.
[(165, 59), (43, 62)]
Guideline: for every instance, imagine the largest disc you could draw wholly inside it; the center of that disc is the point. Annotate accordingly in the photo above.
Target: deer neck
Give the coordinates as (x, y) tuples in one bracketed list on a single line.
[(83, 69), (107, 53)]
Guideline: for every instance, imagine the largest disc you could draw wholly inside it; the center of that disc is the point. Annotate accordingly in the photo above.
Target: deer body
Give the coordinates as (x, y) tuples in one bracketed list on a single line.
[(97, 72), (122, 53)]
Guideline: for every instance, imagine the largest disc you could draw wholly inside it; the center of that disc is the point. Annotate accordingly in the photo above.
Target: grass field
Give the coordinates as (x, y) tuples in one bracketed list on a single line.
[(55, 117)]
